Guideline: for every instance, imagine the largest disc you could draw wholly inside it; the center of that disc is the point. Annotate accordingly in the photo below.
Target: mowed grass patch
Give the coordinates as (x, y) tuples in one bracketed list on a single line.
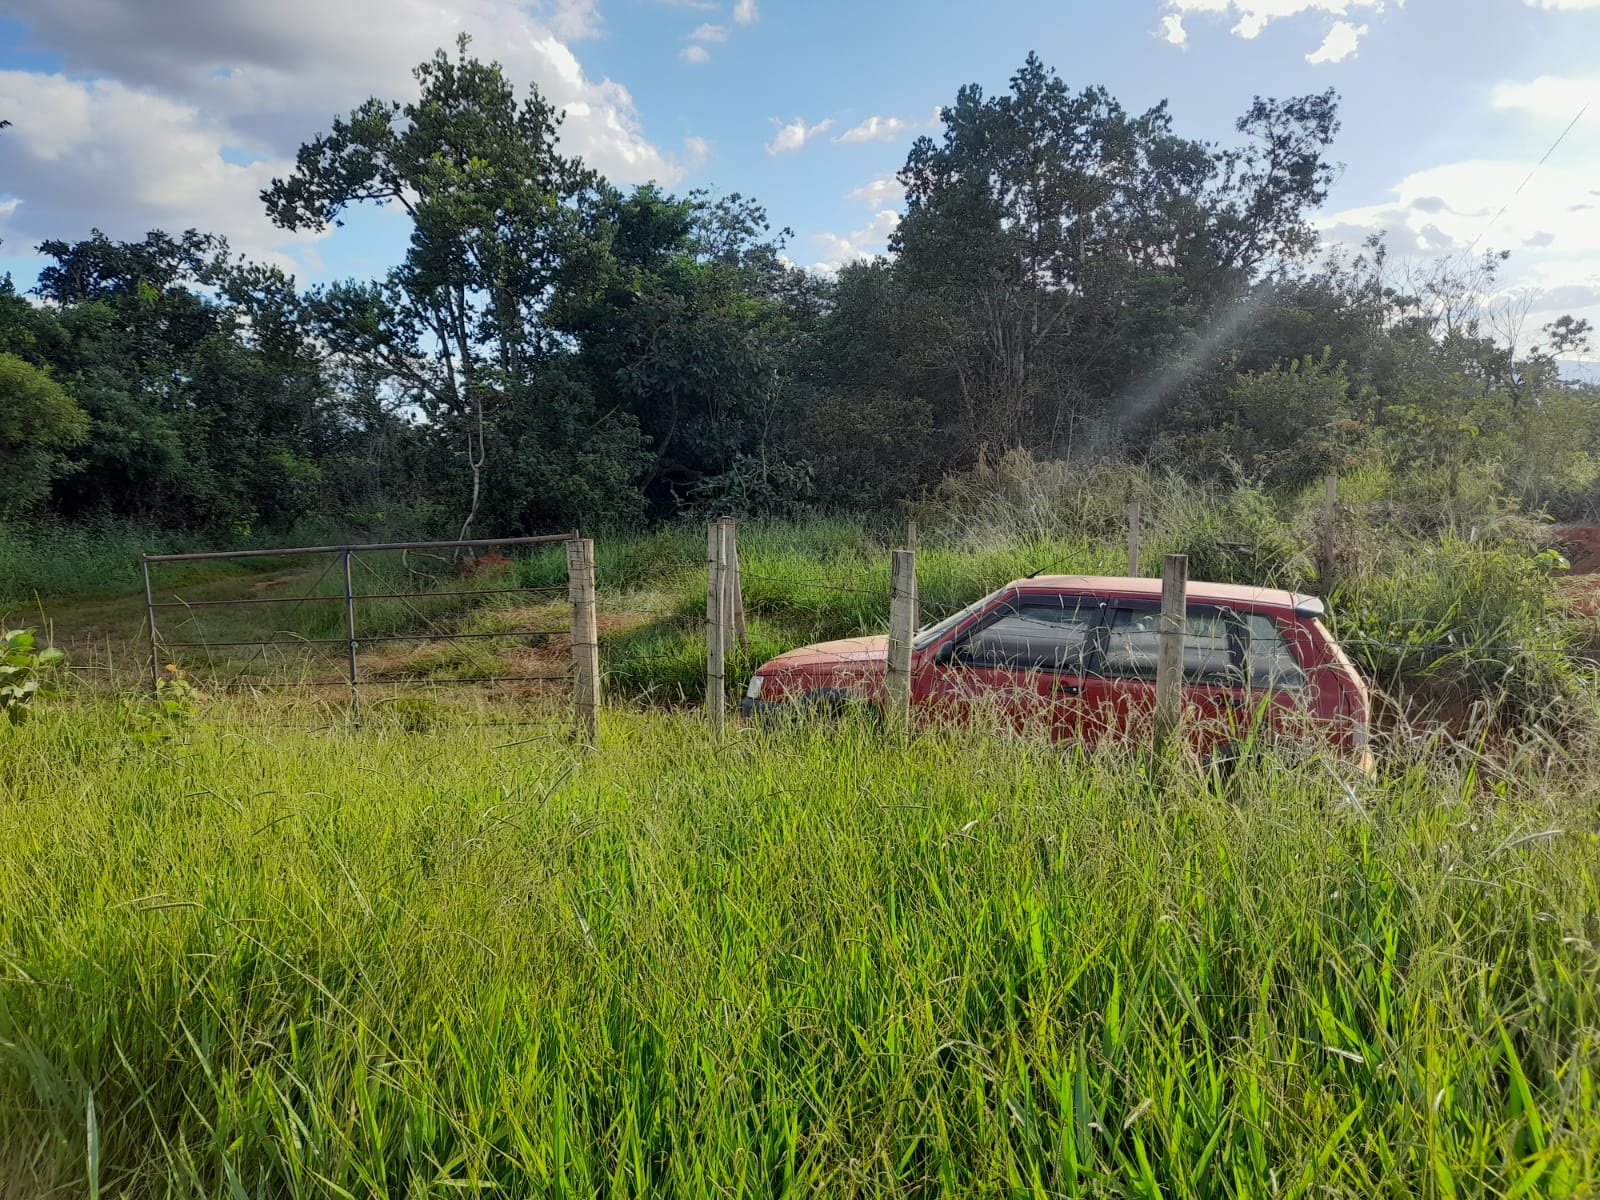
[(460, 959)]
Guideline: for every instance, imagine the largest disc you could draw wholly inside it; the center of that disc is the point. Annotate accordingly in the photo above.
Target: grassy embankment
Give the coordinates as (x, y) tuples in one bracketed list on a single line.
[(473, 960)]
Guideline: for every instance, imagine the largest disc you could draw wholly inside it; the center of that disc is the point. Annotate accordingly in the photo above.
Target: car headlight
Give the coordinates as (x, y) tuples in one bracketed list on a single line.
[(753, 692)]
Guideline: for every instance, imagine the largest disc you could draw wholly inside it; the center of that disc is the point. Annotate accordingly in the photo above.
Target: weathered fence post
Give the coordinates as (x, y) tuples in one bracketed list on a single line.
[(902, 631), (350, 635), (1329, 532), (150, 621), (733, 607), (911, 535), (585, 639), (1169, 651), (716, 644), (1133, 538)]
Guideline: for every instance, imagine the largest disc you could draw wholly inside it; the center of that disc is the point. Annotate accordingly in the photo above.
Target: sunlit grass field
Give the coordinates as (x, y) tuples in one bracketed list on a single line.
[(274, 956)]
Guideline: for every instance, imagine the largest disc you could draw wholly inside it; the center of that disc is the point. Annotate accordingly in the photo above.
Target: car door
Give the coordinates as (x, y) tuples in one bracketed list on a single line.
[(1120, 693), (1019, 667)]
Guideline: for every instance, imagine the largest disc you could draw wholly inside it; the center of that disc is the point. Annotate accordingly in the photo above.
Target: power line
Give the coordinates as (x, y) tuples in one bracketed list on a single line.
[(1493, 221)]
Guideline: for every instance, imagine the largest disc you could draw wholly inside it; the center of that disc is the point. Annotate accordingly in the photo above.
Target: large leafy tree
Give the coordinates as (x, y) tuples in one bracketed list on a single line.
[(1063, 248), (39, 423), (689, 320), (207, 402), (490, 199)]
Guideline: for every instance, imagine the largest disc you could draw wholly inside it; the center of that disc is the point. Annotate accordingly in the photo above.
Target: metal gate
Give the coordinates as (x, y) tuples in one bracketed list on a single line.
[(578, 591)]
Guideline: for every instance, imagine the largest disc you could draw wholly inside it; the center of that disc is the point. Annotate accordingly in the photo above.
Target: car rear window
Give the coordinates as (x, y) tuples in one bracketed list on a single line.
[(1269, 659), (1209, 647)]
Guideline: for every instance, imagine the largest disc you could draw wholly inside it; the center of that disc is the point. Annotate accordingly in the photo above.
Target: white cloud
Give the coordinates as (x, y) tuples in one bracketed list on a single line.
[(573, 20), (694, 52), (1551, 97), (886, 129), (1340, 44), (1550, 225), (710, 33), (87, 153), (745, 12), (269, 74), (840, 249), (1172, 31), (794, 134), (696, 153), (879, 193), (1253, 16), (1566, 5)]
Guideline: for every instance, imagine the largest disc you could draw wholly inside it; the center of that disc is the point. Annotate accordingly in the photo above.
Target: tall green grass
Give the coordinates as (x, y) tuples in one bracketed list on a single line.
[(474, 960)]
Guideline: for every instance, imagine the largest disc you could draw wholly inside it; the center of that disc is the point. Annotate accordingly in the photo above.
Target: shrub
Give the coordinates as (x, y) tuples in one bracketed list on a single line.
[(26, 671)]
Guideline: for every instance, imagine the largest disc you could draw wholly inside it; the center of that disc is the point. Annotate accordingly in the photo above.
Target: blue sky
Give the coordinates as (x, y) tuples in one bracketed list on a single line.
[(133, 114)]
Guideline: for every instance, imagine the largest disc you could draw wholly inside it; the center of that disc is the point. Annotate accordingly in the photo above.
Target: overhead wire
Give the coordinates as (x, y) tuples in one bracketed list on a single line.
[(1504, 208)]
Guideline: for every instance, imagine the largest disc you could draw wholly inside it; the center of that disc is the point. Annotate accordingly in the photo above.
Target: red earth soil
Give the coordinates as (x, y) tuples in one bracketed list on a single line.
[(1581, 545)]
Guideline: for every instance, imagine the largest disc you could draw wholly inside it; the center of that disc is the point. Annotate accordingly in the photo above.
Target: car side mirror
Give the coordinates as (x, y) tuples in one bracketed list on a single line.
[(948, 654)]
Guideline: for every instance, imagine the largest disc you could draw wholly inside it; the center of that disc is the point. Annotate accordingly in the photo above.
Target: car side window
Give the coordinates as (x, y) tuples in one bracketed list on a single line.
[(1269, 659), (1133, 636), (1045, 634)]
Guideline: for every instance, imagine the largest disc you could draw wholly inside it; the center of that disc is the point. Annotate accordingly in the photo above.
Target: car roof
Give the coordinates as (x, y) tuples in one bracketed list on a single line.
[(1142, 588)]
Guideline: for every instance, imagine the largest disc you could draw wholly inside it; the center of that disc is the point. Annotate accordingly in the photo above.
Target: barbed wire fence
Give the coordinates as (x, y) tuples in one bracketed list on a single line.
[(421, 616)]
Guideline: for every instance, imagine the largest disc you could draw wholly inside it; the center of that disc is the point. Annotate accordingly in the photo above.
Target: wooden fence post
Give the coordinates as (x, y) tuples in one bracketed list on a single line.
[(902, 632), (1169, 652), (716, 644), (1328, 551), (585, 639), (1133, 538), (733, 581)]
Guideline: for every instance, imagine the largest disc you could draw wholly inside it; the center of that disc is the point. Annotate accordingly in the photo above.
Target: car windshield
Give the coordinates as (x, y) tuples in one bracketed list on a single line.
[(933, 633)]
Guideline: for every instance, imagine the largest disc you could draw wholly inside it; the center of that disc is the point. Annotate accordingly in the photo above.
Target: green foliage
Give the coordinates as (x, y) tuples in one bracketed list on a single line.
[(171, 711), (1244, 538), (424, 960), (39, 422), (1462, 620), (1290, 426), (27, 671)]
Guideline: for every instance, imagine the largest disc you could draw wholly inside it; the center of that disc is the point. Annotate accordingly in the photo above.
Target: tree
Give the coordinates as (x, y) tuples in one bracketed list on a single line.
[(1291, 425), (1064, 249), (689, 321), (489, 200), (38, 423)]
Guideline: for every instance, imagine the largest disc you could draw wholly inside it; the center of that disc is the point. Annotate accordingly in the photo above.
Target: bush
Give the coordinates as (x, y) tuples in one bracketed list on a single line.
[(26, 671)]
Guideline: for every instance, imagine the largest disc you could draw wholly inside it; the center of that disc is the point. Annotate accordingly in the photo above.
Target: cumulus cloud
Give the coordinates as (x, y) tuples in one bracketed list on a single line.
[(1565, 5), (709, 33), (886, 129), (93, 153), (255, 78), (1549, 96), (1251, 17), (1340, 43), (794, 134), (745, 12), (1456, 207), (879, 193), (866, 242), (694, 52)]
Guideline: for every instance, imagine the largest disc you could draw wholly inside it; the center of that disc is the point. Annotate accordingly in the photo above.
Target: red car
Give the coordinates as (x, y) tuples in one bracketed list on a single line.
[(1077, 654)]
